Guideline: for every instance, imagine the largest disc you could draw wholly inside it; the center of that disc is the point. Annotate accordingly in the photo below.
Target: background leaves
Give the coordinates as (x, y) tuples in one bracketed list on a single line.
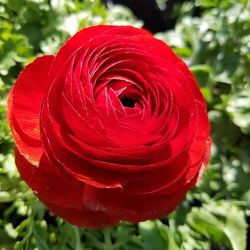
[(216, 46)]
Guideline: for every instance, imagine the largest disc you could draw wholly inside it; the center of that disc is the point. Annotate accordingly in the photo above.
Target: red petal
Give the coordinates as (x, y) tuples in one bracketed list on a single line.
[(85, 218), (86, 35), (50, 185), (133, 208), (62, 196), (24, 104)]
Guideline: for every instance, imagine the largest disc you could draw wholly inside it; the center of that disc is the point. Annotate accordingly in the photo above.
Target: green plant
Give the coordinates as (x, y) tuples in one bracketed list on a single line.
[(216, 46)]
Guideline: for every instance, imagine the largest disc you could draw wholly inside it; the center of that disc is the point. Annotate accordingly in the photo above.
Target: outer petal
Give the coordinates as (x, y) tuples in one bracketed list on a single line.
[(84, 217), (133, 208), (50, 185), (62, 196), (24, 104)]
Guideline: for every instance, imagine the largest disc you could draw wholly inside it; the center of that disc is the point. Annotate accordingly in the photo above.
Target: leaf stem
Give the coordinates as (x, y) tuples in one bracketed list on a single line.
[(107, 239)]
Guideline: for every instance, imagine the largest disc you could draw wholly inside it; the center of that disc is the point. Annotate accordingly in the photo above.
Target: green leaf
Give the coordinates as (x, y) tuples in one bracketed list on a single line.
[(201, 73), (152, 236), (5, 197), (239, 108), (236, 228), (156, 235), (222, 222), (224, 131)]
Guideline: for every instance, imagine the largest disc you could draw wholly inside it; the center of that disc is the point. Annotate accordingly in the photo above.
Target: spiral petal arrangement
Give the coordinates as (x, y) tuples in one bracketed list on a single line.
[(114, 127)]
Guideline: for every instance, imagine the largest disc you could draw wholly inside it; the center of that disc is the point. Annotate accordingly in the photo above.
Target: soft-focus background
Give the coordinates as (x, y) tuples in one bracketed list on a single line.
[(213, 37)]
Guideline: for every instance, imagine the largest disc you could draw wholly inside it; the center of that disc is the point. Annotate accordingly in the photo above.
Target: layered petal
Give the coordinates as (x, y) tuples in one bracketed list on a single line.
[(114, 127), (24, 104)]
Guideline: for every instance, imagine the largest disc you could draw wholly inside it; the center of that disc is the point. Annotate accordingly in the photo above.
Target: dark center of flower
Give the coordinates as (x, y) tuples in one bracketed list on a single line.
[(128, 102)]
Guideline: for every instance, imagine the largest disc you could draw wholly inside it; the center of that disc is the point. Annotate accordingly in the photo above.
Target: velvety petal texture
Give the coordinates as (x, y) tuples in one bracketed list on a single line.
[(114, 127)]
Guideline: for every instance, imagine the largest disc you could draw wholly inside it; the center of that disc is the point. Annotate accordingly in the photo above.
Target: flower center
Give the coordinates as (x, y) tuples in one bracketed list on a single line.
[(128, 102)]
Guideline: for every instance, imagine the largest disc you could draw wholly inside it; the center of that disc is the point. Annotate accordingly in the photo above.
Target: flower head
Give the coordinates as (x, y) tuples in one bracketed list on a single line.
[(114, 127)]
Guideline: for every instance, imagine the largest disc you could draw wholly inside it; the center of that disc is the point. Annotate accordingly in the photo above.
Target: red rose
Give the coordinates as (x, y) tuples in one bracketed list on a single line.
[(114, 127)]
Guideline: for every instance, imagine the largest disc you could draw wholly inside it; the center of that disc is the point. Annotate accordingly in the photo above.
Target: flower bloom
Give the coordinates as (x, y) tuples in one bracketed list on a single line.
[(114, 127)]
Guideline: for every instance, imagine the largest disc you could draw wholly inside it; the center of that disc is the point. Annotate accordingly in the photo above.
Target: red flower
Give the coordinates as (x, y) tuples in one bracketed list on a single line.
[(114, 127)]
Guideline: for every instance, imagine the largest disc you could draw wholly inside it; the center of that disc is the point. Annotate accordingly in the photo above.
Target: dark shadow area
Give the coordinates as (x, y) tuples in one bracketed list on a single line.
[(155, 19)]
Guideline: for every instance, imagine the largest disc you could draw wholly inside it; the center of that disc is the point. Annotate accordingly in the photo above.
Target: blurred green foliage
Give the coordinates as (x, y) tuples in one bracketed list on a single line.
[(216, 46)]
